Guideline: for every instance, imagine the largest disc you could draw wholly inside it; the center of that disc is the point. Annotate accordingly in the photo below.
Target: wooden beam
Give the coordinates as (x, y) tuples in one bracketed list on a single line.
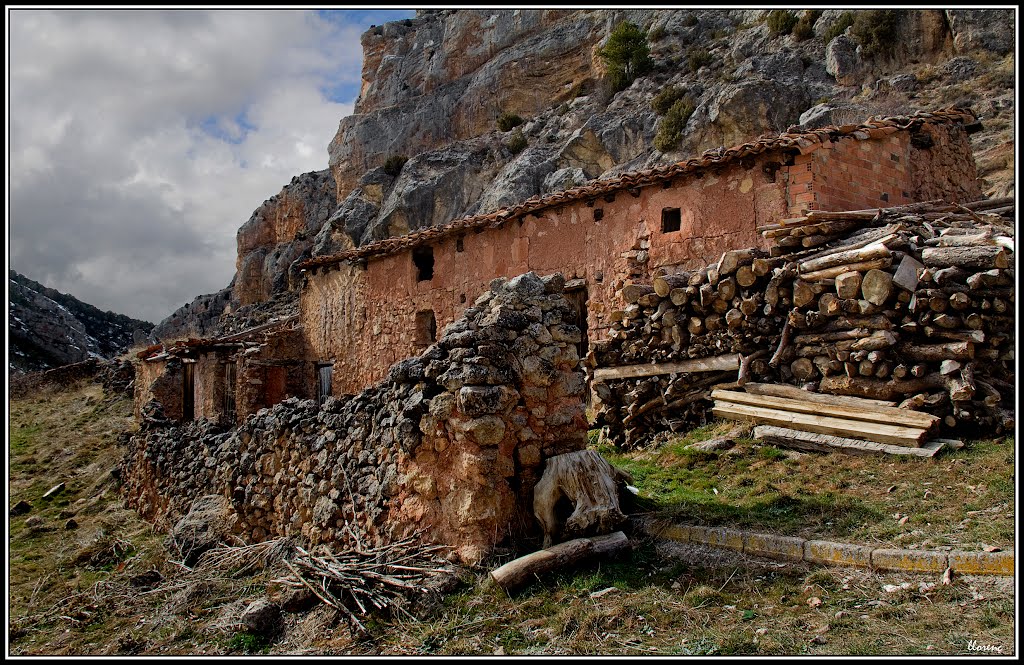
[(716, 363), (883, 415), (893, 434), (783, 390)]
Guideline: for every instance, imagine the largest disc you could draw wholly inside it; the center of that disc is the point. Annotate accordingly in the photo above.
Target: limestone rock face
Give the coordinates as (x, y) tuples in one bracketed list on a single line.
[(280, 232), (989, 29), (447, 75), (842, 60)]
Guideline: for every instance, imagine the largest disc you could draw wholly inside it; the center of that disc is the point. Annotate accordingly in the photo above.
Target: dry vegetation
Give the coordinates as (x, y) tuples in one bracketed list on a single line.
[(109, 586)]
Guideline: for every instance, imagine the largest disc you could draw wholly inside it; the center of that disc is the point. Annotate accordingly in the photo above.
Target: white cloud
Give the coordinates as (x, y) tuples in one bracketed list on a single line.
[(140, 141)]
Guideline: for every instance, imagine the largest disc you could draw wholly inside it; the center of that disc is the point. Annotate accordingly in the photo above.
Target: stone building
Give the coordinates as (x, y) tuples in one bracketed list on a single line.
[(364, 309)]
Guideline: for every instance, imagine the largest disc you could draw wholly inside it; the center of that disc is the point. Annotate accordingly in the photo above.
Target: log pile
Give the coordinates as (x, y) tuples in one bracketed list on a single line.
[(911, 304)]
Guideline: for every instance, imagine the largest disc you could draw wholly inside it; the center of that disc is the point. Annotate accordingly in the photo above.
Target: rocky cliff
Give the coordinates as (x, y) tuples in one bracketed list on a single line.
[(49, 329), (425, 146)]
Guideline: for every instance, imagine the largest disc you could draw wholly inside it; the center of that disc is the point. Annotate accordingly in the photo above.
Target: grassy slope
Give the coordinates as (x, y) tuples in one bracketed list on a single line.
[(963, 499), (78, 591)]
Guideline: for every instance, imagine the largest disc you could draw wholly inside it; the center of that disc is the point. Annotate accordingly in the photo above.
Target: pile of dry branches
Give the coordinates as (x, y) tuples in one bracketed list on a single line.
[(358, 582)]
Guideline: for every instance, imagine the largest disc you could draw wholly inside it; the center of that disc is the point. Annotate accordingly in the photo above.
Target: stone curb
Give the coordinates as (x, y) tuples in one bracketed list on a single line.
[(826, 552)]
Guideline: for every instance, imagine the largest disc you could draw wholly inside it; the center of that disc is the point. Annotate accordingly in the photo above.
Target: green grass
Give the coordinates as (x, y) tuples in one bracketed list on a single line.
[(847, 498)]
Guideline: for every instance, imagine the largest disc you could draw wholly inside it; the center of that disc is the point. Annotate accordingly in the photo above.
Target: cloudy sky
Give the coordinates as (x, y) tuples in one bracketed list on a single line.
[(139, 141)]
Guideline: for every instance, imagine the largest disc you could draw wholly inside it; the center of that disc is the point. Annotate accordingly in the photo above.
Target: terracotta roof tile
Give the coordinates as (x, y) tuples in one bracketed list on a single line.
[(804, 141)]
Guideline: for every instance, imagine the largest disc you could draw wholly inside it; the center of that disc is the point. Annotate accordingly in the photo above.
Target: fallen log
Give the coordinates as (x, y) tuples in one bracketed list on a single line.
[(523, 570), (590, 484)]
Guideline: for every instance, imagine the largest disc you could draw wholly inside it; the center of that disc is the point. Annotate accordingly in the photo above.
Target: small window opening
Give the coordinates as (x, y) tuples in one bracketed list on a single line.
[(426, 328), (670, 220), (598, 214), (462, 298), (460, 245), (423, 258), (324, 373)]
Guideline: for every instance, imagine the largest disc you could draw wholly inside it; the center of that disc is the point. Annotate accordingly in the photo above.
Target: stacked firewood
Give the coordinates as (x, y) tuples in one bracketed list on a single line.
[(697, 328), (912, 304)]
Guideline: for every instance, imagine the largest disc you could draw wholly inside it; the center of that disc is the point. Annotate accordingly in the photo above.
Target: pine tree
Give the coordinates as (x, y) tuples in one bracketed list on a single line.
[(626, 55)]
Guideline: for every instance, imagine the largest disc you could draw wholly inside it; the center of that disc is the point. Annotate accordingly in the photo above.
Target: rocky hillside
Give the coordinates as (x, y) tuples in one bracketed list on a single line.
[(467, 111), (49, 329)]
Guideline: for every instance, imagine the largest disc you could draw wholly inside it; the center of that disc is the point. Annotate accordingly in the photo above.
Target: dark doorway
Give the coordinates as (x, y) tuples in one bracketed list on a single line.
[(188, 392), (576, 294), (324, 373), (229, 392)]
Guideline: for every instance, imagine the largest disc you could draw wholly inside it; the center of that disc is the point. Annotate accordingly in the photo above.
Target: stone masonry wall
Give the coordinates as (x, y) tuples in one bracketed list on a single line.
[(450, 444)]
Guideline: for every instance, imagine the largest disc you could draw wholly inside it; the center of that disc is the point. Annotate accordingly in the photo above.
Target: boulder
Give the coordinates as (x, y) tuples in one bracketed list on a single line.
[(207, 523), (262, 617), (843, 61)]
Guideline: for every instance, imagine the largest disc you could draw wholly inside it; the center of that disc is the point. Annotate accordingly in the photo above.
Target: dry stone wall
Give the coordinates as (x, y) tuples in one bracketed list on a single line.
[(450, 444)]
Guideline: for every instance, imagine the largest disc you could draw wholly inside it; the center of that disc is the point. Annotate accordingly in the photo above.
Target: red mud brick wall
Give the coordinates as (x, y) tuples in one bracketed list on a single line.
[(364, 320)]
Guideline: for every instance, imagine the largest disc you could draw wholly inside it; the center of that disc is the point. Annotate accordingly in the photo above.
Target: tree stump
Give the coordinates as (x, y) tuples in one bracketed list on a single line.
[(577, 496)]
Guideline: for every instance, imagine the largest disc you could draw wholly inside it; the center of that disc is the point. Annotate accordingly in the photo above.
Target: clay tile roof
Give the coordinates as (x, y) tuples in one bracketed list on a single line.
[(803, 141)]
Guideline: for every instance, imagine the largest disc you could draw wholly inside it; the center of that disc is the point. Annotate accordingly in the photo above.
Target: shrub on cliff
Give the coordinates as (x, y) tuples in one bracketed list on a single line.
[(626, 55), (804, 28), (697, 57), (507, 121), (839, 27), (393, 165), (781, 21), (665, 98), (517, 142), (670, 130), (875, 30)]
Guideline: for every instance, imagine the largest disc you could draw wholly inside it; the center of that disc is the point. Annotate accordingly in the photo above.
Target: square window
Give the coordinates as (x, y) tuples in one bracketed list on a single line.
[(671, 220), (423, 259)]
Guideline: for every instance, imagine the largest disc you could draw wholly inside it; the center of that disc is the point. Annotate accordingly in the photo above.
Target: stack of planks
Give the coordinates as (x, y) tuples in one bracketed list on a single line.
[(813, 421), (912, 305)]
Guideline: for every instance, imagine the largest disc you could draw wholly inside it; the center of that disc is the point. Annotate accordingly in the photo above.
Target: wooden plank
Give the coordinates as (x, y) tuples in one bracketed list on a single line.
[(893, 434), (790, 438), (883, 415), (782, 390), (717, 363)]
